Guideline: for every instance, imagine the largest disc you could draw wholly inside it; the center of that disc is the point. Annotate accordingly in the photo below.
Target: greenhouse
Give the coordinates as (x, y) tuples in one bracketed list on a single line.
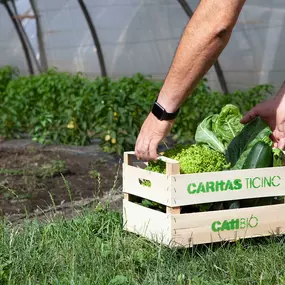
[(142, 142), (141, 36)]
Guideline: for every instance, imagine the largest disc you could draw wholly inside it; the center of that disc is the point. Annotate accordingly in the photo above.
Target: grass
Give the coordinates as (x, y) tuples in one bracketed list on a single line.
[(92, 248)]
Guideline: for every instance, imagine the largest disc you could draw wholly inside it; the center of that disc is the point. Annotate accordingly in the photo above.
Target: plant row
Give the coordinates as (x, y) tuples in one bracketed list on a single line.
[(58, 107)]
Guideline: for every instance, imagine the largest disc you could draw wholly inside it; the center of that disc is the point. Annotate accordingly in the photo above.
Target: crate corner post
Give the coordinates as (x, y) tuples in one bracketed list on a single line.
[(172, 168)]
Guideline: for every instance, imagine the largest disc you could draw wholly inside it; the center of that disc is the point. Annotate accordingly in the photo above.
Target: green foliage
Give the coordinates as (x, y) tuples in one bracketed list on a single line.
[(239, 148), (121, 111), (57, 107), (205, 134), (204, 103), (7, 74), (218, 130), (70, 109), (278, 157), (227, 124), (93, 248), (193, 159)]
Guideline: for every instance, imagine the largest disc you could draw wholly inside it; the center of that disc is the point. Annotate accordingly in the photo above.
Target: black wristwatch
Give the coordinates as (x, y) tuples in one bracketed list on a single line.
[(161, 113)]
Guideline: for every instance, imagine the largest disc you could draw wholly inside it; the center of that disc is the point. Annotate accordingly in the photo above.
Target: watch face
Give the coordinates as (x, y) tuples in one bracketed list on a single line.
[(157, 110)]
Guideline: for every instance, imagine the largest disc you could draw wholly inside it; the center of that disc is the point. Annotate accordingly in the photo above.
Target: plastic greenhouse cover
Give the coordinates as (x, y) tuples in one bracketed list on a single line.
[(142, 36), (10, 48)]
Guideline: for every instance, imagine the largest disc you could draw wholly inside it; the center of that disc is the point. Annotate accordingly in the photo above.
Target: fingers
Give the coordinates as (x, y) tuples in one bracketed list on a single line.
[(146, 150), (278, 138), (281, 143), (141, 149), (153, 150), (151, 134), (250, 115)]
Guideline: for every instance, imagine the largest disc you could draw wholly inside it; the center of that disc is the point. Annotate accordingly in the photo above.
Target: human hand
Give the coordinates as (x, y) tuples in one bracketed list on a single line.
[(272, 112), (152, 132)]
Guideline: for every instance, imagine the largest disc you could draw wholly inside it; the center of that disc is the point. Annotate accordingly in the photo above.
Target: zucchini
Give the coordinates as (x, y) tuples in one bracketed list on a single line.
[(259, 156)]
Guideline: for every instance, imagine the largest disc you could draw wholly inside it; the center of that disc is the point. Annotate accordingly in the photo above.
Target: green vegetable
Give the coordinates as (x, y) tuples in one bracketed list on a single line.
[(278, 157), (223, 143), (193, 159), (227, 124), (205, 134), (239, 148), (218, 130), (262, 155), (152, 205), (259, 156)]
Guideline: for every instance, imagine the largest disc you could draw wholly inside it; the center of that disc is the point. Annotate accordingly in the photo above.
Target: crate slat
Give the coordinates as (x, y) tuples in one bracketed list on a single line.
[(146, 222), (196, 228), (160, 184), (183, 194), (187, 229)]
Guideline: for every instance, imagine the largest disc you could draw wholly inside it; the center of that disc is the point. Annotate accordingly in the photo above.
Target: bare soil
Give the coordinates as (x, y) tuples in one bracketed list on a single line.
[(35, 179)]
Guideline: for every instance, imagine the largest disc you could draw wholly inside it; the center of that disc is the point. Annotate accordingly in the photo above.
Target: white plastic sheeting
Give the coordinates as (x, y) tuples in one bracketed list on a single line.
[(142, 36)]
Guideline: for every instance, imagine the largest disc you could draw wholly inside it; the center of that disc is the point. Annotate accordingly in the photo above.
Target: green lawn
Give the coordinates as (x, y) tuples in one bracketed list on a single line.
[(93, 249)]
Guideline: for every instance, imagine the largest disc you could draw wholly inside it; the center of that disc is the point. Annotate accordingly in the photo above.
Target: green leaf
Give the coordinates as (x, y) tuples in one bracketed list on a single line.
[(240, 146), (146, 203), (119, 280), (278, 157), (205, 134), (227, 124)]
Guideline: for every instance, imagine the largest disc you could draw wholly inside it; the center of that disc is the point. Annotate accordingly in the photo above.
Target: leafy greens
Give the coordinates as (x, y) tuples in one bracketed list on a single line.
[(223, 132), (240, 146), (205, 134), (218, 130), (227, 124)]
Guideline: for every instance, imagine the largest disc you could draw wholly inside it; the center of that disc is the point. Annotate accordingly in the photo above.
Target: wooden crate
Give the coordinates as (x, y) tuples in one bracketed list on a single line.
[(175, 190)]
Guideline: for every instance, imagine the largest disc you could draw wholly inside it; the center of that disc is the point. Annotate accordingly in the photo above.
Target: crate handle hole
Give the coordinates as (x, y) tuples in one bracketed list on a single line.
[(145, 182)]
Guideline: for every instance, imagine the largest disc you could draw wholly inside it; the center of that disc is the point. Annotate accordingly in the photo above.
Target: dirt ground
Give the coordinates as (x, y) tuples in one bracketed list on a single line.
[(35, 179)]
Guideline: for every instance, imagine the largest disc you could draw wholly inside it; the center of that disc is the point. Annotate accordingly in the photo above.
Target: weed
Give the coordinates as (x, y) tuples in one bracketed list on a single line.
[(96, 176)]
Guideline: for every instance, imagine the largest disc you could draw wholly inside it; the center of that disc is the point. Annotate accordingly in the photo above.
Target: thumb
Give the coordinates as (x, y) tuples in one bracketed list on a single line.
[(250, 115)]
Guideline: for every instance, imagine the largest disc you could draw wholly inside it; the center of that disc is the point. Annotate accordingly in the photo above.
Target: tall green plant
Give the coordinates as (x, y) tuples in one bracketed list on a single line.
[(57, 107), (7, 73)]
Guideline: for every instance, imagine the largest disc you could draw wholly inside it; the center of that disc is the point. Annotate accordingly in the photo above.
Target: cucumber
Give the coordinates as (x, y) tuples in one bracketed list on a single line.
[(259, 156)]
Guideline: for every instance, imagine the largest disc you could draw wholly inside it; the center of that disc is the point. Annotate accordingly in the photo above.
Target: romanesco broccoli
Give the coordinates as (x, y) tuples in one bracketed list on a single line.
[(194, 158)]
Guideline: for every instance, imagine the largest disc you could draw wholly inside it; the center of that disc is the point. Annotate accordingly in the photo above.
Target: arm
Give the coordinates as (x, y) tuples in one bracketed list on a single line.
[(204, 38)]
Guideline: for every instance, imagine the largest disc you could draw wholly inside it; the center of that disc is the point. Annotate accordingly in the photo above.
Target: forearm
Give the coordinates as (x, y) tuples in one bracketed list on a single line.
[(204, 38)]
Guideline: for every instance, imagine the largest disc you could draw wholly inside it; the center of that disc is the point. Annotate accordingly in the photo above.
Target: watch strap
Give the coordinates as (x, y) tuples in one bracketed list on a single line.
[(162, 114)]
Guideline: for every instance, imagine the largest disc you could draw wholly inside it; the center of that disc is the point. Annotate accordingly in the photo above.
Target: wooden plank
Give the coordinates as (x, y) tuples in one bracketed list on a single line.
[(207, 227), (127, 196), (190, 189), (172, 168), (146, 222), (173, 210), (128, 158), (159, 191)]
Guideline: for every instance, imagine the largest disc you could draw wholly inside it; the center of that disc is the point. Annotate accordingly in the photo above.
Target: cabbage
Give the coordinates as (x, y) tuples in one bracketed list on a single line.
[(227, 124), (218, 130)]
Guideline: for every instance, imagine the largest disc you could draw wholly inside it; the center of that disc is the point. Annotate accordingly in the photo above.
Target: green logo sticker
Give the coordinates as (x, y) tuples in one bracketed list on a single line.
[(235, 224), (237, 184)]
